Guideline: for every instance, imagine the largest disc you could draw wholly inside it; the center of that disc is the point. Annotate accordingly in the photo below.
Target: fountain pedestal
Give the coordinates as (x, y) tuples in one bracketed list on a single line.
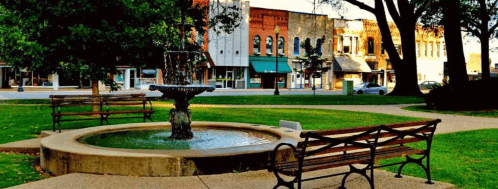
[(179, 117)]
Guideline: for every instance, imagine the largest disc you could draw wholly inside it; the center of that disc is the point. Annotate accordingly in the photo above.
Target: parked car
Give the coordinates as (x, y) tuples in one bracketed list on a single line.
[(369, 88), (427, 85)]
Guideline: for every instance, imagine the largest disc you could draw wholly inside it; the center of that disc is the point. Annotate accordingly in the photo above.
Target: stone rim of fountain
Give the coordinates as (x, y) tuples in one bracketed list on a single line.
[(63, 153)]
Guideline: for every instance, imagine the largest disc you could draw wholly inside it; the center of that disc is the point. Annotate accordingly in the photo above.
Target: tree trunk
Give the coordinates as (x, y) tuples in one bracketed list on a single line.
[(95, 92), (406, 68), (457, 69), (484, 41)]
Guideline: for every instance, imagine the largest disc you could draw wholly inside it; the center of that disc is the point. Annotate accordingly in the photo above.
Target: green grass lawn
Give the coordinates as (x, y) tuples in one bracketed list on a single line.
[(277, 100), (480, 113), (17, 169), (466, 159), (308, 100), (24, 122)]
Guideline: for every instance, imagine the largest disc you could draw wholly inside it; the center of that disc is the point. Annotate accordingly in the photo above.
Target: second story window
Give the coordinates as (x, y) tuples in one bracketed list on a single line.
[(307, 42), (296, 45), (347, 45), (426, 49), (257, 45), (438, 50), (357, 45), (418, 49), (319, 44), (370, 46), (281, 45), (269, 45), (431, 49)]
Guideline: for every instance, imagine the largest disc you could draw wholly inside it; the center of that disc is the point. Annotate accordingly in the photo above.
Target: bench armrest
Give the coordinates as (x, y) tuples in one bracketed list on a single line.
[(273, 155)]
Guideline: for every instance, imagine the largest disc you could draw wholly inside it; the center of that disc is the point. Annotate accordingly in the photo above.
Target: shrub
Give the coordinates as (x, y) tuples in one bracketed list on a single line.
[(478, 94)]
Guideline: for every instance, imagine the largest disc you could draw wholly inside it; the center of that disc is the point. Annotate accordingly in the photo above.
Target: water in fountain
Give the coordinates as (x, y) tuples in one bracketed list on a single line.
[(178, 77)]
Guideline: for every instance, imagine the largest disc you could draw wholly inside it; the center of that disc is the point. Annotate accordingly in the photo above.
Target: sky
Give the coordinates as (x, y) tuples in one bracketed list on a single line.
[(352, 12)]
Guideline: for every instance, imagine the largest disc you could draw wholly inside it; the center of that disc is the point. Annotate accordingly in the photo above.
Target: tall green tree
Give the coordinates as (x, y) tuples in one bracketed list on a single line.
[(312, 61), (405, 14), (480, 18), (93, 37)]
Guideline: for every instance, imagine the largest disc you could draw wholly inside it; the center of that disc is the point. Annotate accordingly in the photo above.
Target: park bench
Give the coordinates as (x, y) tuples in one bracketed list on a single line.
[(349, 147), (136, 102)]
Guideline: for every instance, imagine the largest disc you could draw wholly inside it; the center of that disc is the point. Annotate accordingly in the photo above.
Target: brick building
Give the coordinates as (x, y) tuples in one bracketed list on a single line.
[(263, 47)]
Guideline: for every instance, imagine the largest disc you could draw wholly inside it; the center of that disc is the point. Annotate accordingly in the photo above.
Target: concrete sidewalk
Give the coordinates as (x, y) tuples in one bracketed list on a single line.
[(248, 180), (450, 123)]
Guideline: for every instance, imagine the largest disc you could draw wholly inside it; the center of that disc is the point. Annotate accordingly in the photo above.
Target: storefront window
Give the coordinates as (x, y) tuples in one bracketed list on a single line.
[(148, 77), (240, 74)]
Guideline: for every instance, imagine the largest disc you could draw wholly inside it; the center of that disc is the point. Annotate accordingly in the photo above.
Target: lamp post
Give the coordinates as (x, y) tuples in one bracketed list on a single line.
[(277, 31), (20, 89)]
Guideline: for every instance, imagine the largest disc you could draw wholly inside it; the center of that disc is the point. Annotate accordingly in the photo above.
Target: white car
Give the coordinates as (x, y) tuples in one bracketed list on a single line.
[(369, 88)]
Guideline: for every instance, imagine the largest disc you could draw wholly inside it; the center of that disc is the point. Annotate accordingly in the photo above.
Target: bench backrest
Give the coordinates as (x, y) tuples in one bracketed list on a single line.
[(354, 139), (105, 99)]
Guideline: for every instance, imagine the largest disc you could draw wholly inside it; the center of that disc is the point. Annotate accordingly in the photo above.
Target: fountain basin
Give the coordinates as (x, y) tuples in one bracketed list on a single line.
[(63, 153)]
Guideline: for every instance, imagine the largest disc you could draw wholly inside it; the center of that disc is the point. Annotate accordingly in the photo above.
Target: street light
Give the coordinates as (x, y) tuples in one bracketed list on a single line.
[(277, 31), (20, 89)]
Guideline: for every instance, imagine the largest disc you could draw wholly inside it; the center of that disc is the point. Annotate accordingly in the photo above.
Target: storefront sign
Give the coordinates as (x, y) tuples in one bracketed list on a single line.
[(149, 71)]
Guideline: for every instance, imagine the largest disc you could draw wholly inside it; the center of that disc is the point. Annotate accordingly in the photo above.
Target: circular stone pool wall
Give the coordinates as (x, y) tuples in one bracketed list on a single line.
[(64, 153)]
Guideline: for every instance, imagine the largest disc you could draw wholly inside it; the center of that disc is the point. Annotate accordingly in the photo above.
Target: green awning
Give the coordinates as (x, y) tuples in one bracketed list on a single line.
[(269, 67)]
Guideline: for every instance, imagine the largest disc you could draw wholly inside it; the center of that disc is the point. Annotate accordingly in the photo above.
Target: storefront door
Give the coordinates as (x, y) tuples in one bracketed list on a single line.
[(4, 78), (268, 81), (132, 78), (229, 79)]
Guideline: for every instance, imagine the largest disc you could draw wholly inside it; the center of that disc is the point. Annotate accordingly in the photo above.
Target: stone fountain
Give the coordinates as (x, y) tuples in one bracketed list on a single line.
[(177, 78), (143, 149)]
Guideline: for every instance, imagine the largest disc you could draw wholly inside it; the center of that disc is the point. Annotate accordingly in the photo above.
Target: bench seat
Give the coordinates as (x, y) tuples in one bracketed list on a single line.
[(292, 168)]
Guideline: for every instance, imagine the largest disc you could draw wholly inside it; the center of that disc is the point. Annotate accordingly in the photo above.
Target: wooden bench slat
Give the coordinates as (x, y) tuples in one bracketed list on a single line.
[(362, 129), (74, 113), (101, 95), (128, 112), (124, 104), (371, 136)]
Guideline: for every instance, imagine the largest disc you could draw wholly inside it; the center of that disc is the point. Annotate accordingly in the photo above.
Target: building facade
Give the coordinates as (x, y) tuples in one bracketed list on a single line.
[(265, 47), (317, 30), (350, 48), (229, 52)]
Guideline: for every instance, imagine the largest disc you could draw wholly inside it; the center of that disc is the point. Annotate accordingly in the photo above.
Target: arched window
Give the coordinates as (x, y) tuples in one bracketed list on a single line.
[(296, 45), (257, 45), (281, 45), (307, 43), (319, 44), (269, 45)]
